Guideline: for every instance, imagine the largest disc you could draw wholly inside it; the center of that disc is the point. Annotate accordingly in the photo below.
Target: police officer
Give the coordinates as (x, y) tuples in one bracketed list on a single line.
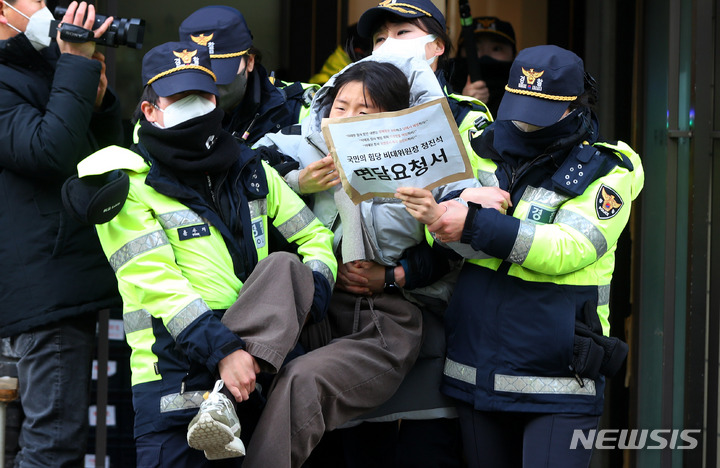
[(528, 344), (495, 48), (192, 240), (417, 28), (254, 103)]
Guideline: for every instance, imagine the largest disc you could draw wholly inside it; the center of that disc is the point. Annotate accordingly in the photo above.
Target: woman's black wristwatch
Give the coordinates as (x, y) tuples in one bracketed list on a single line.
[(390, 285)]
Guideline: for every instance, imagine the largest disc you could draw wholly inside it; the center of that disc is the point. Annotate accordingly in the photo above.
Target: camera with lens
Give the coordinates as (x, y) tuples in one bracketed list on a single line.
[(121, 32)]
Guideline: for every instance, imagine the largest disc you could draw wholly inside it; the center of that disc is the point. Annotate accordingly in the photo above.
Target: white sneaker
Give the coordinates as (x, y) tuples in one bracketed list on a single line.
[(216, 428)]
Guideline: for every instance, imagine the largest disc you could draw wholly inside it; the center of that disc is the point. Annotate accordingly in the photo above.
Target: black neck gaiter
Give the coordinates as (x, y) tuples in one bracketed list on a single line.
[(197, 146)]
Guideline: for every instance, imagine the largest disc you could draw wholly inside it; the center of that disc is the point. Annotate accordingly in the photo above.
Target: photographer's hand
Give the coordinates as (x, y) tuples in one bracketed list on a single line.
[(75, 14), (102, 85)]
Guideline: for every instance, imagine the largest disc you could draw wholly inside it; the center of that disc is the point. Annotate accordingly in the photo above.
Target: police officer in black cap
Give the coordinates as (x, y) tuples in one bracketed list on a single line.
[(191, 234), (254, 102), (495, 48)]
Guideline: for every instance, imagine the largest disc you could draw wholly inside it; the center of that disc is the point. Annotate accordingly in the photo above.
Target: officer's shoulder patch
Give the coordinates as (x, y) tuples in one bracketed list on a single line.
[(607, 202)]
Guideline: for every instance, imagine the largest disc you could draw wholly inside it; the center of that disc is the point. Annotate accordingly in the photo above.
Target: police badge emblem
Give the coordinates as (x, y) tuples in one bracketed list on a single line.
[(607, 202)]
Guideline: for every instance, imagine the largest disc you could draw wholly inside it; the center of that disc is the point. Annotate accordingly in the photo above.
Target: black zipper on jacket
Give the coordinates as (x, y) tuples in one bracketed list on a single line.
[(516, 173), (212, 192)]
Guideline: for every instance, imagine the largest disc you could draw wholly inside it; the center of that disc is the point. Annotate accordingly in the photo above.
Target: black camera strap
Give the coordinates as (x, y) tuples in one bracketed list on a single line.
[(72, 33)]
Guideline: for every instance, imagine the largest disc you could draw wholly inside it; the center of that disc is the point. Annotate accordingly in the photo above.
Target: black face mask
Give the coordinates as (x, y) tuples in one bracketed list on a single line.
[(232, 94)]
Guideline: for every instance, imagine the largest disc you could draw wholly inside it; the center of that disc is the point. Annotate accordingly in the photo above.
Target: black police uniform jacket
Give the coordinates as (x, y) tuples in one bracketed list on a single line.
[(265, 107), (517, 324), (52, 266)]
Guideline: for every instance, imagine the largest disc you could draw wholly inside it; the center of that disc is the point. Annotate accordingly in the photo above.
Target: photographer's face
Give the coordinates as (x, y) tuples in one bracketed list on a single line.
[(8, 15)]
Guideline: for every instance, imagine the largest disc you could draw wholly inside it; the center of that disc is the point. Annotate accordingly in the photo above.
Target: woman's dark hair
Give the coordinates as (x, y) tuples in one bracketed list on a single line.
[(356, 46), (148, 95), (257, 53), (383, 84), (430, 26), (589, 97)]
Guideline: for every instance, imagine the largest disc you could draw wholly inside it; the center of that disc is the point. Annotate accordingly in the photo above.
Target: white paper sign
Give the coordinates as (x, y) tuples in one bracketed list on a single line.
[(376, 153)]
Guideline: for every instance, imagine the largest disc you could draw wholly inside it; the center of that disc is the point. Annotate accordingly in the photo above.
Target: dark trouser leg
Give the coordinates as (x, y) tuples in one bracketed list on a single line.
[(54, 370), (371, 444), (169, 449), (490, 440), (429, 443), (537, 440), (547, 440)]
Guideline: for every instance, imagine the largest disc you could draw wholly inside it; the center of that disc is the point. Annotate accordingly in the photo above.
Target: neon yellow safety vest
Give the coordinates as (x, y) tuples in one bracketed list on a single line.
[(161, 276)]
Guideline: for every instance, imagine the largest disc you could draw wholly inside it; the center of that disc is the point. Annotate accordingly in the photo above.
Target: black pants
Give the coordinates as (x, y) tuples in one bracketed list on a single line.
[(428, 443), (516, 440)]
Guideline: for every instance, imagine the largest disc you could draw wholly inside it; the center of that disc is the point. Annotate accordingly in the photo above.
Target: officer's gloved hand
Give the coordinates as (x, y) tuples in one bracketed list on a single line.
[(595, 354), (277, 160), (587, 357)]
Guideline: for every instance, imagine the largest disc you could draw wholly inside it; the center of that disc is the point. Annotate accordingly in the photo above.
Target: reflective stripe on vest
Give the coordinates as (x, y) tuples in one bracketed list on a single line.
[(178, 219), (181, 401), (487, 179), (323, 269), (460, 371), (137, 247), (522, 383), (297, 223), (136, 320), (257, 208), (544, 196), (585, 227), (603, 294), (523, 242), (543, 385), (186, 316)]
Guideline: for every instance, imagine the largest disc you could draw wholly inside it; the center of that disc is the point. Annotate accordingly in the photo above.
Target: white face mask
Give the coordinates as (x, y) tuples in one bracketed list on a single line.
[(38, 28), (526, 127), (185, 109), (406, 48)]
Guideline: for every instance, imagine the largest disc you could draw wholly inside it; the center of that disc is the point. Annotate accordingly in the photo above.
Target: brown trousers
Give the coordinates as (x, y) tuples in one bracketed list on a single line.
[(375, 343), (272, 308)]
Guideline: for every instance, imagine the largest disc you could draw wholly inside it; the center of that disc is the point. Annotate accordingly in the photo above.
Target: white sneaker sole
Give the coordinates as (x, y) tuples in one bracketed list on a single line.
[(216, 439)]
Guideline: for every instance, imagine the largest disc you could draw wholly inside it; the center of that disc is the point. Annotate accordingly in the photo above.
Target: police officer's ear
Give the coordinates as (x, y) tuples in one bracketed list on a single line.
[(249, 62), (149, 110), (439, 47), (3, 18)]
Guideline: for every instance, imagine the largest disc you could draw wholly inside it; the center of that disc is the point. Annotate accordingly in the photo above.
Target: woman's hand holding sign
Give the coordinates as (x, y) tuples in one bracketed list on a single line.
[(318, 176)]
